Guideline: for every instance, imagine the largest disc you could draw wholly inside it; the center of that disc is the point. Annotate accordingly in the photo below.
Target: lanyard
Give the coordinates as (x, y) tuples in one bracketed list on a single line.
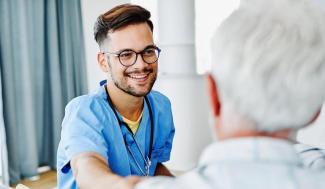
[(147, 159)]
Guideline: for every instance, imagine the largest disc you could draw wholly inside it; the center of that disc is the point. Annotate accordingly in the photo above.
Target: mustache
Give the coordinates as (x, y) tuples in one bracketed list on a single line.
[(144, 70)]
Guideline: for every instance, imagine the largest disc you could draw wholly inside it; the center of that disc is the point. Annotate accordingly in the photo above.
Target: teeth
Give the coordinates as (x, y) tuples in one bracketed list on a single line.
[(138, 76)]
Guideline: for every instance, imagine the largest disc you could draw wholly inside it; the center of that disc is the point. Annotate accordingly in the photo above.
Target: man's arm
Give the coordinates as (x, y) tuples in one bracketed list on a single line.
[(162, 170), (92, 171)]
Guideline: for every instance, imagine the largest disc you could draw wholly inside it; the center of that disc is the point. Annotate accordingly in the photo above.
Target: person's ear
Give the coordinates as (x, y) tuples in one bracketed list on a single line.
[(102, 61), (214, 96)]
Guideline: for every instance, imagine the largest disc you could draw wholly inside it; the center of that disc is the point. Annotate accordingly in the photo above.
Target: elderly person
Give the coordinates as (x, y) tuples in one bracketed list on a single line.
[(267, 81)]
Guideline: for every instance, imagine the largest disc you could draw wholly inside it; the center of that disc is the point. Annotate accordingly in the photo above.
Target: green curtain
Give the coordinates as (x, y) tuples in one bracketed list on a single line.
[(42, 68)]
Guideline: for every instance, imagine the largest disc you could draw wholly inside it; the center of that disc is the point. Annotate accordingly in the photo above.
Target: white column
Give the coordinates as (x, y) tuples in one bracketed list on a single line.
[(179, 81)]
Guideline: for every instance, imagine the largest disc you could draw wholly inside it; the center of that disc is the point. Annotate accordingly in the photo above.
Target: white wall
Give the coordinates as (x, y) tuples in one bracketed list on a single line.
[(208, 15), (315, 133), (91, 9)]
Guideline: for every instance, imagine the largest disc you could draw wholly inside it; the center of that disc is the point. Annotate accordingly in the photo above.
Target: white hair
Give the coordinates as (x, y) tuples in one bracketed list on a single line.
[(268, 58)]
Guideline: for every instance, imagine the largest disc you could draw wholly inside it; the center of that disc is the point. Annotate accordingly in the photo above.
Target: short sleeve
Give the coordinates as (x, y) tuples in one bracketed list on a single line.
[(163, 153), (82, 130)]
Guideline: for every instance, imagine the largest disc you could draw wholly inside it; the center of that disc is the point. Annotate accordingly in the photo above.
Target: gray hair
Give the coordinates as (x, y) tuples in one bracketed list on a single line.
[(268, 58)]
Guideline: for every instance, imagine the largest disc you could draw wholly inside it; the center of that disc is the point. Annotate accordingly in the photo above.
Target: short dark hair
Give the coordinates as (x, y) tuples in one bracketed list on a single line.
[(118, 17)]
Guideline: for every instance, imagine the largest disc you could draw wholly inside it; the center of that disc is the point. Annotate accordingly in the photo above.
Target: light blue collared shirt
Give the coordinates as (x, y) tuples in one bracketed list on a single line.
[(246, 163), (90, 125)]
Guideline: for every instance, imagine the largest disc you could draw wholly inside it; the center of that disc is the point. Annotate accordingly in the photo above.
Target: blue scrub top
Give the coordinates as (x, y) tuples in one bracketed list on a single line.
[(90, 125)]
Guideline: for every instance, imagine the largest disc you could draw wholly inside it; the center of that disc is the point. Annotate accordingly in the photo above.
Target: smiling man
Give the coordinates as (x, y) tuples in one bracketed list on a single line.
[(123, 130)]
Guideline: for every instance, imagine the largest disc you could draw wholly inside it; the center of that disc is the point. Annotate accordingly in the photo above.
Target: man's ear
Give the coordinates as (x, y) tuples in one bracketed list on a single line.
[(214, 96), (102, 61)]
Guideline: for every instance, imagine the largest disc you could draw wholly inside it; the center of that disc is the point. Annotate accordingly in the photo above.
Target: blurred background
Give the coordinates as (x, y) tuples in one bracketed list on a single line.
[(48, 57)]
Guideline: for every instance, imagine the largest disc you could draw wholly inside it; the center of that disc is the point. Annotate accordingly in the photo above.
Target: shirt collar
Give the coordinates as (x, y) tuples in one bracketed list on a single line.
[(100, 91), (251, 149)]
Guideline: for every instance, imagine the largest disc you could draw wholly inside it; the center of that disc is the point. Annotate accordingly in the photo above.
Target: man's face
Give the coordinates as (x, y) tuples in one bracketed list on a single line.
[(138, 79)]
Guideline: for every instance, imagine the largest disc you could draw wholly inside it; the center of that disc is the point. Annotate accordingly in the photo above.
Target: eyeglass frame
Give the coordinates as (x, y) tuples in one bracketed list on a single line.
[(118, 54)]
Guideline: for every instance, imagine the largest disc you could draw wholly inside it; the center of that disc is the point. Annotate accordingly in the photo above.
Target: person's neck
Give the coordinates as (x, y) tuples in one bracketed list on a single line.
[(232, 125), (127, 105), (283, 134), (240, 133)]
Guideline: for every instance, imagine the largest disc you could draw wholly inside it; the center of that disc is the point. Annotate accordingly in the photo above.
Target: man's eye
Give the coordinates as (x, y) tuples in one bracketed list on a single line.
[(126, 54), (149, 52)]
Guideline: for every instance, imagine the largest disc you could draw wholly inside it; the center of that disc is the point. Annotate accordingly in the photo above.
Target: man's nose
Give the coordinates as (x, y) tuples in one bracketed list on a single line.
[(140, 63)]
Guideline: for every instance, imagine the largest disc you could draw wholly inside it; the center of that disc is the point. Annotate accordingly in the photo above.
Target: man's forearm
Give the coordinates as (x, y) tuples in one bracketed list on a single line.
[(92, 172)]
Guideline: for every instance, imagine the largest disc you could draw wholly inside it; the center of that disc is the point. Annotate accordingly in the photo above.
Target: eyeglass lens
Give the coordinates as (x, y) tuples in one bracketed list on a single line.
[(129, 57)]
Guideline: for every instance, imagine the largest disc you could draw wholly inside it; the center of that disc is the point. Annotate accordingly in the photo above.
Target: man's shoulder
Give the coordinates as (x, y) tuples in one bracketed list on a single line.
[(159, 101), (90, 100), (159, 97)]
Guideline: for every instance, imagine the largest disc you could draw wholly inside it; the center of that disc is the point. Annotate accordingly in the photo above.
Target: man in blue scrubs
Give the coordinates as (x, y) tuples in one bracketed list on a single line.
[(123, 130)]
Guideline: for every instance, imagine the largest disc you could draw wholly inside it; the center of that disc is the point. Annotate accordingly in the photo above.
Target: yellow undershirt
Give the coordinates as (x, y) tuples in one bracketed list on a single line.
[(133, 125)]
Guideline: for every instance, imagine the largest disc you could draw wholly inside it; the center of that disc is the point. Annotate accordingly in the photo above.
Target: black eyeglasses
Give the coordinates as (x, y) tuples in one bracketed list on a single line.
[(128, 57)]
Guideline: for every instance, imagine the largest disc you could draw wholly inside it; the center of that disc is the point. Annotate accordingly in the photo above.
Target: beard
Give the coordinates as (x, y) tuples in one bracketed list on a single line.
[(131, 90)]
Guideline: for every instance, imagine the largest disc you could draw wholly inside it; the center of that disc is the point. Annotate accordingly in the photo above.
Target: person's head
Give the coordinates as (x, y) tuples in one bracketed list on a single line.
[(127, 50), (268, 64)]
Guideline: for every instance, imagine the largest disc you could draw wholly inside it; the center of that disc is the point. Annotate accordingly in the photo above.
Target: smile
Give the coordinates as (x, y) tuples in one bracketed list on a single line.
[(138, 76)]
